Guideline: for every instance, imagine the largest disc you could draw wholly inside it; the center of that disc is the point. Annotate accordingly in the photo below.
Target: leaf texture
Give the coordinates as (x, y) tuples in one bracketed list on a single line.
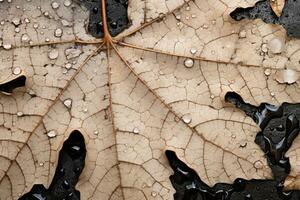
[(133, 96)]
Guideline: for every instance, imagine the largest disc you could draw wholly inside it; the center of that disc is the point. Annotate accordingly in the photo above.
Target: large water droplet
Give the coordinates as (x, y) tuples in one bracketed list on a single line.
[(276, 45), (189, 63), (58, 32), (68, 103), (287, 76), (53, 54), (17, 71), (187, 118), (55, 5)]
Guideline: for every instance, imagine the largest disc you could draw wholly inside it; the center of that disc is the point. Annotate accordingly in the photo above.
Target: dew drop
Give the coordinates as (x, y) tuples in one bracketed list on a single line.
[(136, 130), (58, 32), (258, 164), (85, 110), (287, 76), (41, 164), (25, 38), (154, 194), (189, 63), (68, 65), (52, 134), (267, 72), (17, 71), (20, 114), (35, 26), (243, 34), (16, 21), (187, 118), (68, 103), (17, 30), (53, 54), (67, 3), (276, 45), (243, 144), (264, 48), (96, 132), (7, 46), (193, 51), (55, 5)]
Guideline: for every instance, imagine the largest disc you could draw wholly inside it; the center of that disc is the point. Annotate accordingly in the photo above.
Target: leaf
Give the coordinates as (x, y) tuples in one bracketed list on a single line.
[(158, 85), (277, 6)]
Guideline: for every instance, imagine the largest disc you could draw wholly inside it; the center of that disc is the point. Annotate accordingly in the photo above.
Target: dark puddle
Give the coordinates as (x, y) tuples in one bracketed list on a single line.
[(189, 186), (70, 165), (289, 19), (116, 14), (279, 127), (8, 86)]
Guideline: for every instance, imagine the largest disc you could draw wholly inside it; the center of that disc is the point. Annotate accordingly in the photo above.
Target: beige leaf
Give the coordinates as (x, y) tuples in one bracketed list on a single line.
[(277, 6), (160, 85)]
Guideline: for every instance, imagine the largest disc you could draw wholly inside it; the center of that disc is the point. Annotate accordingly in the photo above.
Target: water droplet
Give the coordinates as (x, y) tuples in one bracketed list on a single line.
[(154, 194), (17, 29), (53, 54), (58, 32), (47, 40), (68, 65), (187, 118), (7, 46), (35, 26), (178, 17), (55, 5), (16, 21), (96, 132), (287, 76), (41, 164), (27, 20), (212, 96), (17, 71), (193, 50), (68, 103), (264, 48), (258, 164), (189, 63), (67, 3), (85, 110), (243, 144), (272, 94), (136, 130), (52, 134), (20, 114), (25, 38), (267, 72), (66, 184), (233, 136), (276, 45)]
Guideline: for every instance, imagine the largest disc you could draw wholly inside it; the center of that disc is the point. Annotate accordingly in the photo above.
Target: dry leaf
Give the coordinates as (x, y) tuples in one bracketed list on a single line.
[(277, 6), (159, 87)]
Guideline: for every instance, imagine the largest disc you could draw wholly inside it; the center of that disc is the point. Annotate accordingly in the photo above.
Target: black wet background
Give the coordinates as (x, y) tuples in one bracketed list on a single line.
[(70, 165), (289, 19), (116, 14)]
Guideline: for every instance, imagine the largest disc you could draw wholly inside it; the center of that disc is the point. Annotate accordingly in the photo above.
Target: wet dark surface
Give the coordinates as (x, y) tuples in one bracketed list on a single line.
[(116, 14), (9, 86), (279, 127), (189, 186), (70, 165), (289, 19)]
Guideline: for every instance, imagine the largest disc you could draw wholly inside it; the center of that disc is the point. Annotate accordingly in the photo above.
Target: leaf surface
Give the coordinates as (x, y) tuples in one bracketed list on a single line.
[(158, 85)]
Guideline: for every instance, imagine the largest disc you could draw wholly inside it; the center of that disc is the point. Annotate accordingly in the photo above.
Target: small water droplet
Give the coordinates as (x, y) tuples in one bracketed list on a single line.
[(85, 110), (272, 94), (53, 54), (233, 136), (136, 130), (189, 63), (20, 114), (67, 3), (264, 48), (258, 164), (154, 194), (17, 71), (68, 103), (96, 132), (16, 21), (58, 32), (55, 5), (17, 29), (212, 96), (25, 38), (35, 26), (267, 72), (193, 50), (47, 40), (243, 144), (52, 134), (187, 118), (41, 164), (68, 65)]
